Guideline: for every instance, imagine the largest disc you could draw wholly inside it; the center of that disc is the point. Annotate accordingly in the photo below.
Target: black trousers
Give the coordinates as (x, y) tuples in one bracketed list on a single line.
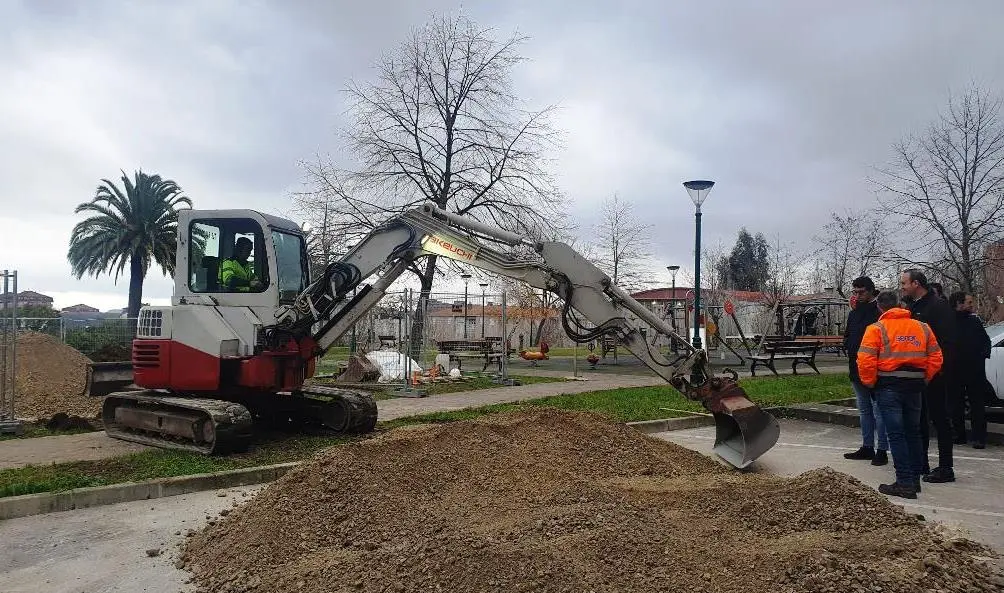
[(971, 385), (935, 409)]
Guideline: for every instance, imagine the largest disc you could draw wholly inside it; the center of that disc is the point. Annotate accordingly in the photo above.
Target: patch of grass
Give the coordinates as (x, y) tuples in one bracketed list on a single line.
[(157, 463), (634, 404), (32, 431)]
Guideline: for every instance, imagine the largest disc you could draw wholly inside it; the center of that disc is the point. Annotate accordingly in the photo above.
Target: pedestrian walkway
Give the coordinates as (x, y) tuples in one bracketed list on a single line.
[(86, 446), (972, 503), (96, 445)]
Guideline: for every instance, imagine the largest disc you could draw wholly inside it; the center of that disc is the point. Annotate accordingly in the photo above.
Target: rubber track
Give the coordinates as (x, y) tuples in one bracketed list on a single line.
[(362, 408), (231, 421)]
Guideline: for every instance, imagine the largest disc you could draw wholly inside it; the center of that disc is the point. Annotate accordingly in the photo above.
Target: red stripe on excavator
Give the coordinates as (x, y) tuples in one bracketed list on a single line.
[(166, 364)]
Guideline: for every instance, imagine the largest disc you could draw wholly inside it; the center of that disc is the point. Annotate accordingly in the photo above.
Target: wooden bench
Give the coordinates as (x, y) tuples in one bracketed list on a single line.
[(825, 342), (488, 349), (388, 341), (803, 352)]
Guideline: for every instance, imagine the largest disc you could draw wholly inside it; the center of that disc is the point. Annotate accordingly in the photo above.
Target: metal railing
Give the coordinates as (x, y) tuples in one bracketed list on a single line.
[(100, 339), (8, 351)]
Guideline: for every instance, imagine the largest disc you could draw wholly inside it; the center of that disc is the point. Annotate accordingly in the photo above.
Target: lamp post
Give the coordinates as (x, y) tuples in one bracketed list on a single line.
[(484, 285), (672, 303), (467, 278), (698, 191)]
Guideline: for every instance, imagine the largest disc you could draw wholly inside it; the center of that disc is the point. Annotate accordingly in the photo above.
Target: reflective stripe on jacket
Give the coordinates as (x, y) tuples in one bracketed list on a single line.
[(898, 347), (234, 275)]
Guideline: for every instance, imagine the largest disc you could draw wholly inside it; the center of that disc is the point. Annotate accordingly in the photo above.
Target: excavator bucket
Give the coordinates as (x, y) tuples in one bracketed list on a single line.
[(107, 377), (743, 432)]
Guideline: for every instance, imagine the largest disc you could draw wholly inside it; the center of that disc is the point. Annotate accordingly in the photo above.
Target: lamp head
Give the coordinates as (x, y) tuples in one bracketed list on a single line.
[(698, 190)]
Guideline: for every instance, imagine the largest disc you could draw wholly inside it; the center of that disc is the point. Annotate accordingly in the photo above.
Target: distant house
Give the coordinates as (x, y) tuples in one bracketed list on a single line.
[(81, 308), (26, 298)]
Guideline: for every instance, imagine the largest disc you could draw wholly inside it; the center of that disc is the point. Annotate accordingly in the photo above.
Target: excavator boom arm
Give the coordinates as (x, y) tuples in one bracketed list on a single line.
[(744, 431)]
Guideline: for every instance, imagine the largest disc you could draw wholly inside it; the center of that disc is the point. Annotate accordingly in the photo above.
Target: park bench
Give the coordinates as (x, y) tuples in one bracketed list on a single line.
[(796, 351), (829, 342), (490, 350)]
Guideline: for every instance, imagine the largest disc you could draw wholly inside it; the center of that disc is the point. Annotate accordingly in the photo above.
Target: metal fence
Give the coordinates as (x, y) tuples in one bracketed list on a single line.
[(475, 333), (8, 350), (100, 339)]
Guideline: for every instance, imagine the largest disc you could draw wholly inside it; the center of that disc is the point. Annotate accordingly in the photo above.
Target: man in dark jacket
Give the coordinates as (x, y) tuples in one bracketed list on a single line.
[(864, 313), (971, 383), (938, 314)]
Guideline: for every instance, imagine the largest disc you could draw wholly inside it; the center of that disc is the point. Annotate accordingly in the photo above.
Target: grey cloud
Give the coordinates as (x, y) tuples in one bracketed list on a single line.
[(787, 105)]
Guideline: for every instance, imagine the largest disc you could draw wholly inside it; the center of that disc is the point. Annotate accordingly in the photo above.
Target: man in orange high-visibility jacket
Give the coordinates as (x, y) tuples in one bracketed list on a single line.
[(897, 358)]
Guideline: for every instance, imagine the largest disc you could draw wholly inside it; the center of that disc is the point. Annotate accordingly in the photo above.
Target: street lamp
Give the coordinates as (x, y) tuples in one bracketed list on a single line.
[(698, 191), (484, 285), (672, 302), (467, 278)]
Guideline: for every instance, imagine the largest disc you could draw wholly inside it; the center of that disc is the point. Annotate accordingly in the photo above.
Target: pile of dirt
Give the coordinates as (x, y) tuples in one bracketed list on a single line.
[(559, 501), (50, 379)]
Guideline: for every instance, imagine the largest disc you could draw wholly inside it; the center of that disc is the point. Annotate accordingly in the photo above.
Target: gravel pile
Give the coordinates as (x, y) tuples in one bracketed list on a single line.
[(566, 502), (50, 379)]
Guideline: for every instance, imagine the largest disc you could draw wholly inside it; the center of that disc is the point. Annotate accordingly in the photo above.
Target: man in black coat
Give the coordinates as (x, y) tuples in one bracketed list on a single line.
[(938, 314), (971, 383), (864, 313)]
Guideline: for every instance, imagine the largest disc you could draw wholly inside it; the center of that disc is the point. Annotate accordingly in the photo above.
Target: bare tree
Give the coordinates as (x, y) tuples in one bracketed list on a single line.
[(786, 273), (441, 123), (622, 244), (947, 186), (850, 244)]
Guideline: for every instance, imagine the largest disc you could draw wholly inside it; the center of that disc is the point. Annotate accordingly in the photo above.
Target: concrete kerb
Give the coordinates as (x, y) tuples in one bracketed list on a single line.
[(49, 502)]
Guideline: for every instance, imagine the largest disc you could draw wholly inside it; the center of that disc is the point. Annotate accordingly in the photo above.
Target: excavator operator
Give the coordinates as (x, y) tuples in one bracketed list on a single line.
[(236, 273)]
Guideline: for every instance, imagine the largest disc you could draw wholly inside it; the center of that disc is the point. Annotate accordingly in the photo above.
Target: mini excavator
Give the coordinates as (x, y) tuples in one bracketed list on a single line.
[(227, 355)]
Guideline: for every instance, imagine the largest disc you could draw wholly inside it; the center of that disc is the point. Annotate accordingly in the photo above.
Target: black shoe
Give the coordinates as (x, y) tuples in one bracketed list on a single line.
[(862, 453), (979, 445), (940, 475), (881, 458), (961, 441), (897, 489)]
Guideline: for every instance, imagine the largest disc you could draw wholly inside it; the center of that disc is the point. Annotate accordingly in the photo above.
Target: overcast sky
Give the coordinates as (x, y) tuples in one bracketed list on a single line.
[(786, 105)]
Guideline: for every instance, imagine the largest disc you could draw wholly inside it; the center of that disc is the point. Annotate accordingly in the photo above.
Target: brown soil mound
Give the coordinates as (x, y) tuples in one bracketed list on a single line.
[(558, 501), (50, 379)]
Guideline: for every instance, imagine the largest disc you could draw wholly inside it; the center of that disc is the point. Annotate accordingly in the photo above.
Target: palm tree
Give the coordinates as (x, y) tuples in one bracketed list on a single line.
[(138, 226)]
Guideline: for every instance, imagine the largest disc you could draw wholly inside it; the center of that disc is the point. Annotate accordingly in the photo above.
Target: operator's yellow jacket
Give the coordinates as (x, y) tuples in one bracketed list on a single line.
[(236, 276), (898, 349)]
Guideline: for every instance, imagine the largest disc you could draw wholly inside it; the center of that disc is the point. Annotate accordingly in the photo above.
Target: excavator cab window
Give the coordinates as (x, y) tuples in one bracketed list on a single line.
[(214, 257)]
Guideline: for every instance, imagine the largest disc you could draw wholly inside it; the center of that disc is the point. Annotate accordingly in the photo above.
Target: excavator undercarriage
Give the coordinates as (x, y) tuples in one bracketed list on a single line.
[(216, 426)]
